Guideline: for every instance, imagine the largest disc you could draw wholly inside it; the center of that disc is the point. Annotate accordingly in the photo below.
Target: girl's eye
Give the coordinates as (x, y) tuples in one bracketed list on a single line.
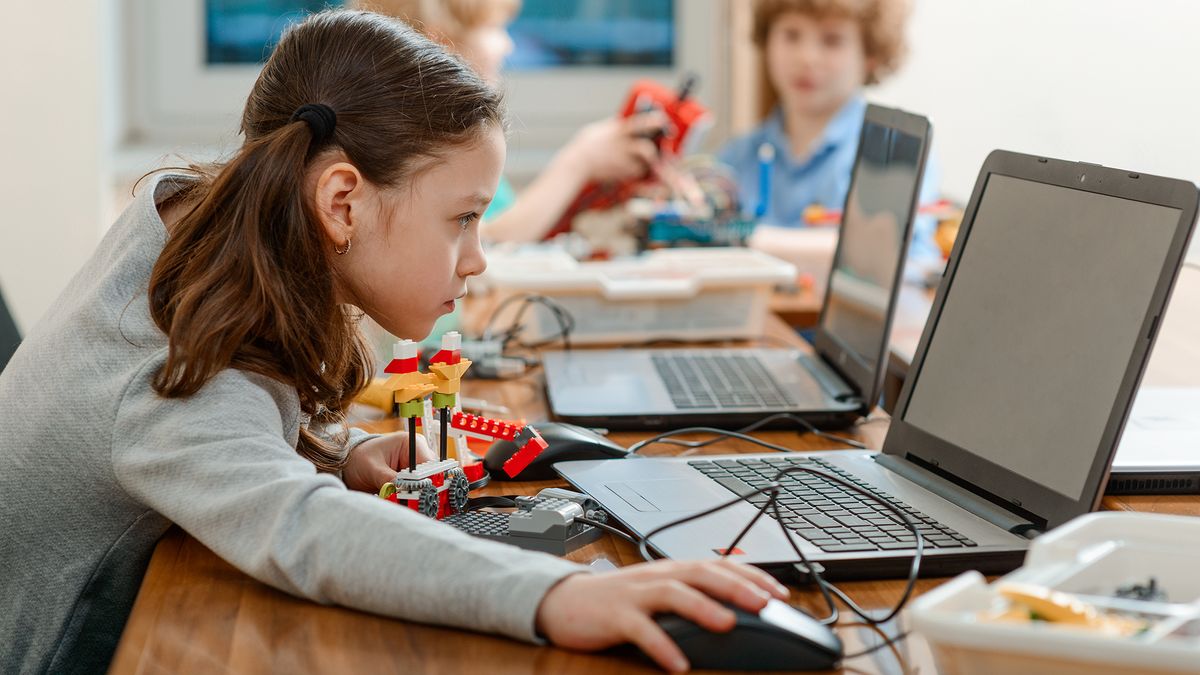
[(465, 220)]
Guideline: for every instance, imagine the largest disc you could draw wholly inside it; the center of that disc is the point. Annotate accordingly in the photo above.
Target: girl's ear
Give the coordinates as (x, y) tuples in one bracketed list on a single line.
[(340, 200)]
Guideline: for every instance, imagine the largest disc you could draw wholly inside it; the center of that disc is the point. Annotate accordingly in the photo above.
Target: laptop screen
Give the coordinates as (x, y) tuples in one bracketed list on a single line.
[(874, 234), (1038, 326)]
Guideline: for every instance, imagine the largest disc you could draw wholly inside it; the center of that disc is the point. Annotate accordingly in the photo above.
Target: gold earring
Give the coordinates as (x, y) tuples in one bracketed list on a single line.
[(342, 251)]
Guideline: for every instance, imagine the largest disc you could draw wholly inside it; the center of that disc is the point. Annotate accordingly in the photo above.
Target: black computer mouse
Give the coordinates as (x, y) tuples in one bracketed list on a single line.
[(566, 442), (780, 637)]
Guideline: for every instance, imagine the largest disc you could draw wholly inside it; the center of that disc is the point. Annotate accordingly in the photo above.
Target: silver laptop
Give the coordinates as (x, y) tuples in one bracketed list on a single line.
[(1011, 412), (831, 386), (1160, 449)]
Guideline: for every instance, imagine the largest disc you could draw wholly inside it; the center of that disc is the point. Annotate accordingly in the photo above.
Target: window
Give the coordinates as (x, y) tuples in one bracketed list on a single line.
[(245, 32), (196, 60), (563, 33)]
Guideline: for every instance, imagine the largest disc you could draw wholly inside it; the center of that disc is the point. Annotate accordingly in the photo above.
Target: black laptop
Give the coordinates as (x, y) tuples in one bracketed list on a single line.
[(831, 385), (1011, 412)]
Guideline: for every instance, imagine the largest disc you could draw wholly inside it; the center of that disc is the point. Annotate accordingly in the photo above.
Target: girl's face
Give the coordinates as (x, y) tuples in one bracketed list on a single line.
[(485, 48), (417, 243), (816, 64)]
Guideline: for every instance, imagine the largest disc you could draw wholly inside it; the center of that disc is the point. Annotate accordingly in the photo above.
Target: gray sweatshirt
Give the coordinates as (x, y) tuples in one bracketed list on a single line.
[(94, 466)]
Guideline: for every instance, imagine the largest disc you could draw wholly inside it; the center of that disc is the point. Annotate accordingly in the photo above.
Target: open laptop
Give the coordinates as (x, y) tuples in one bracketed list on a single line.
[(646, 388), (1012, 409)]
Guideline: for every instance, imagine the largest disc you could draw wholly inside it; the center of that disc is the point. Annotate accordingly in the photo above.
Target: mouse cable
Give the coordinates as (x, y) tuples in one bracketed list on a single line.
[(826, 588), (725, 434), (607, 528), (888, 641)]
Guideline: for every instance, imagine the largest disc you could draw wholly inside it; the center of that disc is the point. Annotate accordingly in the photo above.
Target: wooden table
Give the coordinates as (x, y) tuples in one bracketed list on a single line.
[(196, 613)]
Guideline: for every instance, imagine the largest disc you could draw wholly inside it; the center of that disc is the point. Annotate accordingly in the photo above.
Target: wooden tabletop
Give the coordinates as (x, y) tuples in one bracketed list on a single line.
[(196, 613)]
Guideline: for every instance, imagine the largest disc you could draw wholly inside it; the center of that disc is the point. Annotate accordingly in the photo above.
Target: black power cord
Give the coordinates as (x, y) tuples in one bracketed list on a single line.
[(566, 322), (724, 434)]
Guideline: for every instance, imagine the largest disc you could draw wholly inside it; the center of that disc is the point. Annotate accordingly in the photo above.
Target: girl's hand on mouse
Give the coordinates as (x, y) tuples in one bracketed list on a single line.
[(376, 461), (595, 611)]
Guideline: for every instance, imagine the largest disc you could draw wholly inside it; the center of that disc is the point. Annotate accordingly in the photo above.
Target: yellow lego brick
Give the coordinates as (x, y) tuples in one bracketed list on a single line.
[(449, 375)]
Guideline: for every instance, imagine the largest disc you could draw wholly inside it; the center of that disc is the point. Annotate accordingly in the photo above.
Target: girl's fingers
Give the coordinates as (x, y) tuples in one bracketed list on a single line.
[(758, 577), (644, 633), (724, 584), (678, 597)]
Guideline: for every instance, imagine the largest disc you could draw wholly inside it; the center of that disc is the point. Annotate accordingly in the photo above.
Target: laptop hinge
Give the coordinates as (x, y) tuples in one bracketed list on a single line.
[(829, 379), (980, 506)]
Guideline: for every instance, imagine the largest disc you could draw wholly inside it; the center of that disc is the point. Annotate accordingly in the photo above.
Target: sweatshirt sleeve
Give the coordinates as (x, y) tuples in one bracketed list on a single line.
[(217, 464)]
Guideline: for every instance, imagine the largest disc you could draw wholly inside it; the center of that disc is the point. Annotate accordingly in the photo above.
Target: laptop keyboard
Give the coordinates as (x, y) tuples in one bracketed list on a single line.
[(833, 518), (719, 381)]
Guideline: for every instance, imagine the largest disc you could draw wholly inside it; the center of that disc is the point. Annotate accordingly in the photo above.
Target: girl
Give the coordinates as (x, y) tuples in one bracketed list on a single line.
[(612, 149), (204, 356)]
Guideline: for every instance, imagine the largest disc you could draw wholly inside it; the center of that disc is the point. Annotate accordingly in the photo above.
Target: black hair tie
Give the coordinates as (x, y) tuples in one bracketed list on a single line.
[(320, 118)]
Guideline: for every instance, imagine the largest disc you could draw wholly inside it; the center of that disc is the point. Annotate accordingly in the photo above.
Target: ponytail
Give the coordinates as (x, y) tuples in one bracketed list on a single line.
[(244, 282)]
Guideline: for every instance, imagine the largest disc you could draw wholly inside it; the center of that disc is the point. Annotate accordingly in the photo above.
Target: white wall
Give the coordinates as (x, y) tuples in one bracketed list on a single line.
[(52, 178), (1113, 82)]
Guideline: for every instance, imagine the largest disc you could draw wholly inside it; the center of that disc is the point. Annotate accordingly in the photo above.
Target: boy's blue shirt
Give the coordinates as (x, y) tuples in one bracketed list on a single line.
[(822, 178)]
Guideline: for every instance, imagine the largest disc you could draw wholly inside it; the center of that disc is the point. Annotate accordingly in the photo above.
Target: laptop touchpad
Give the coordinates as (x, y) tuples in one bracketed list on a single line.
[(665, 495)]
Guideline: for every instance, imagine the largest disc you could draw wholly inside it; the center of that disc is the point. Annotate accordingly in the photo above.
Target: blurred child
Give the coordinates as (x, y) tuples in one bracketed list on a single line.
[(197, 369), (818, 56), (612, 149)]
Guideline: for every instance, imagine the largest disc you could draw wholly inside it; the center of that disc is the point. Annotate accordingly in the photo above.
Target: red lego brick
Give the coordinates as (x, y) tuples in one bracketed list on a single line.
[(397, 366), (521, 458), (447, 356), (474, 471), (482, 425)]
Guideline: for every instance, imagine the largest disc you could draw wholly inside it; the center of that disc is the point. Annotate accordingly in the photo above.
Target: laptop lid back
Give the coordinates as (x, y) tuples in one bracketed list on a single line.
[(864, 281), (1041, 329)]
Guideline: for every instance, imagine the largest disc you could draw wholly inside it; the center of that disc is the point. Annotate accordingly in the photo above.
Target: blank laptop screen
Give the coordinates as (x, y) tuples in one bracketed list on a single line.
[(873, 233), (1038, 325)]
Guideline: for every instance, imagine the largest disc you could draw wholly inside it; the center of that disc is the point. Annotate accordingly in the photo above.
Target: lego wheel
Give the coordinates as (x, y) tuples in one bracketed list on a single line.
[(387, 490), (456, 491), (427, 503)]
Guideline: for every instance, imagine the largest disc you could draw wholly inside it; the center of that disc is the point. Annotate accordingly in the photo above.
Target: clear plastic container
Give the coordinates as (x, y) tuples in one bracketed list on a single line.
[(1090, 557)]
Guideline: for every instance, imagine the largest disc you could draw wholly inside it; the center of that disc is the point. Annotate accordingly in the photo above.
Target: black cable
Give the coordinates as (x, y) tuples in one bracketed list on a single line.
[(887, 642), (826, 588), (914, 567), (723, 434), (566, 322), (607, 528)]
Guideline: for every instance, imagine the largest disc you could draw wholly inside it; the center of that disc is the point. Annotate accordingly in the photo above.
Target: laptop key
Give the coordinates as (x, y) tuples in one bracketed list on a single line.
[(823, 522), (850, 548), (735, 485)]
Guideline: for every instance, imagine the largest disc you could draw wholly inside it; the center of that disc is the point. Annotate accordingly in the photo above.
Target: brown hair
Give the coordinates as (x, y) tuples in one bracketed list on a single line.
[(445, 20), (245, 280), (881, 23)]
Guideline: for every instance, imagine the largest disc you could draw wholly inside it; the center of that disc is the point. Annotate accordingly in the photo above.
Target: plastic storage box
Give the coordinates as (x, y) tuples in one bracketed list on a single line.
[(673, 294), (1089, 558)]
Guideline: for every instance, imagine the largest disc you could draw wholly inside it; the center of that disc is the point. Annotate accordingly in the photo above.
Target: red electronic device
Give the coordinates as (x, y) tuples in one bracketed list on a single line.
[(687, 119)]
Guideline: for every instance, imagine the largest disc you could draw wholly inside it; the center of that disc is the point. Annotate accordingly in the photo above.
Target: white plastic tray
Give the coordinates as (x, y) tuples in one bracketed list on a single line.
[(1091, 556)]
